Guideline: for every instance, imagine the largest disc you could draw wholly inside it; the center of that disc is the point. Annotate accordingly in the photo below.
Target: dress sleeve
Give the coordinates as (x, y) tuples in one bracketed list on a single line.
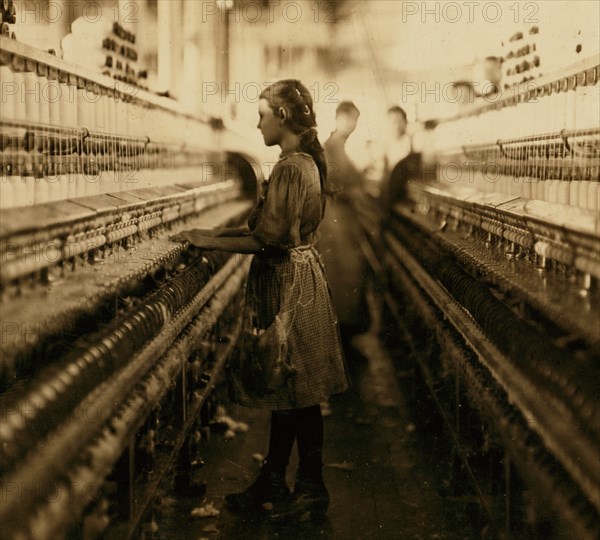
[(278, 221)]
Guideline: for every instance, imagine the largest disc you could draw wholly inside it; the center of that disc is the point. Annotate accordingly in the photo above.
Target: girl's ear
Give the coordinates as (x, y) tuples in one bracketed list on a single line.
[(282, 114)]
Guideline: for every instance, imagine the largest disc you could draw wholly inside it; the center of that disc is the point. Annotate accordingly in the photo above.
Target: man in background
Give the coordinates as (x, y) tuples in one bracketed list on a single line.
[(398, 145), (343, 173), (389, 149), (340, 231)]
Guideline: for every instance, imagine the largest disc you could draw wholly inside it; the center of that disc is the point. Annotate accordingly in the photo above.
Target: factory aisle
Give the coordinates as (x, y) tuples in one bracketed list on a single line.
[(382, 472)]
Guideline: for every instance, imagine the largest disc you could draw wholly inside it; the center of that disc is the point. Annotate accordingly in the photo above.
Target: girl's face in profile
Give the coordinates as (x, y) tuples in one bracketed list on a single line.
[(269, 123)]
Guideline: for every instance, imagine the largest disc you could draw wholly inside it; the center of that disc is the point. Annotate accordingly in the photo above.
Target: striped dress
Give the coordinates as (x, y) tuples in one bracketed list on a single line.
[(285, 222)]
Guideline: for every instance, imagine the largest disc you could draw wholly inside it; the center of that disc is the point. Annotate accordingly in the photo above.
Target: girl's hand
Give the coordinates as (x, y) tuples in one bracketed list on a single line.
[(195, 238), (182, 236)]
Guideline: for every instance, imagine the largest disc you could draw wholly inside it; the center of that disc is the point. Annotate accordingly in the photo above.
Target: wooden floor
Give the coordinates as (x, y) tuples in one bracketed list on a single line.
[(382, 471)]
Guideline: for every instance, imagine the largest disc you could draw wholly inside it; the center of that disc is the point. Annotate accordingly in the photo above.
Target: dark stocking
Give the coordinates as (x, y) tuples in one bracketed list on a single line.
[(281, 440), (308, 426)]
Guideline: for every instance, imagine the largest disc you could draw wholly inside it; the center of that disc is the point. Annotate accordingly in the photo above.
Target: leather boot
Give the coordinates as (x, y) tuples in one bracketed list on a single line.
[(309, 497), (269, 487)]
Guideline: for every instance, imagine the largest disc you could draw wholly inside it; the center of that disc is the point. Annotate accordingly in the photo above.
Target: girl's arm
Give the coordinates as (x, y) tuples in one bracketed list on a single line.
[(232, 244), (220, 232)]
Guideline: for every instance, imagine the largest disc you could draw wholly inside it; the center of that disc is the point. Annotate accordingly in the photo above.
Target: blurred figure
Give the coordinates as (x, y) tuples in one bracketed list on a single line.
[(340, 231), (343, 172), (398, 145), (487, 75), (386, 152), (397, 165)]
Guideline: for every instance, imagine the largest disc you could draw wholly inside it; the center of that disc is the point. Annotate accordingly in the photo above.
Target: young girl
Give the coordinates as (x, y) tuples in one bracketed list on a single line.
[(281, 233)]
